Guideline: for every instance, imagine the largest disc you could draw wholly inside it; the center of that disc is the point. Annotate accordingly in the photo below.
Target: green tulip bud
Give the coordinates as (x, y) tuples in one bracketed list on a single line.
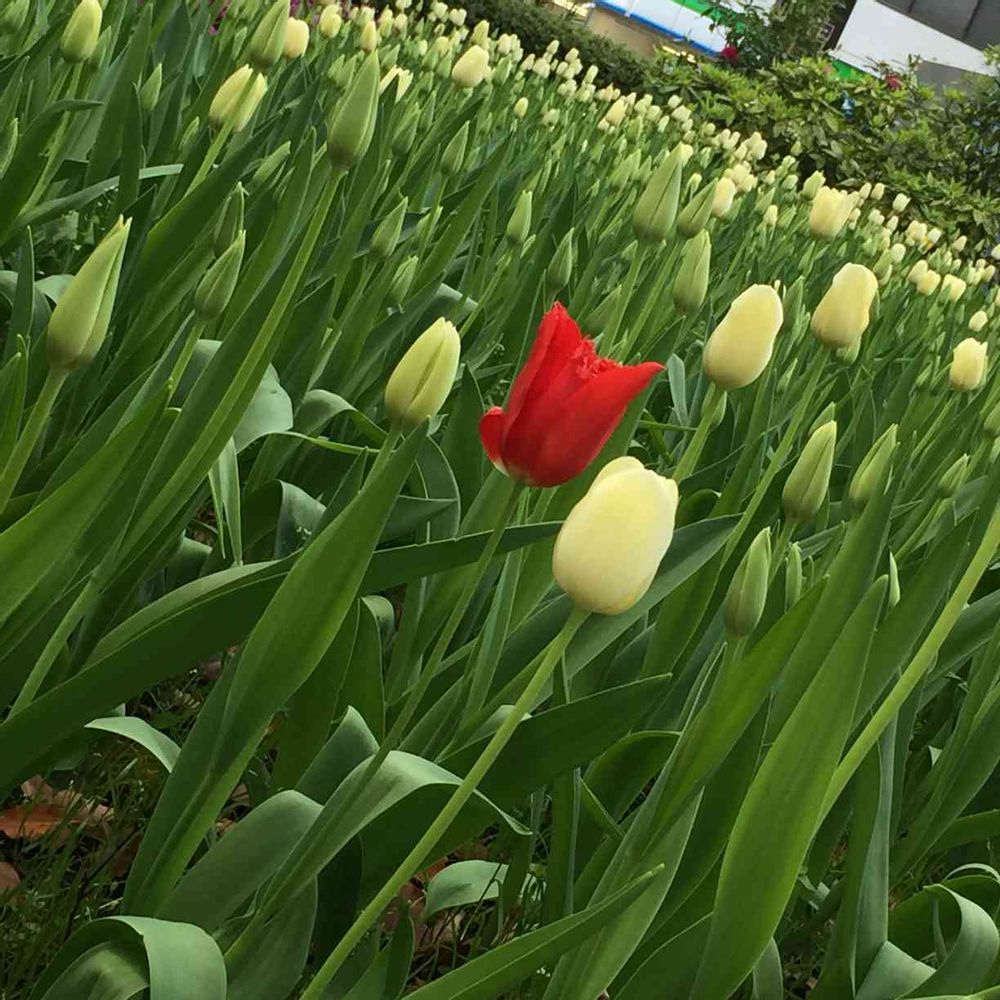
[(694, 217), (420, 383), (560, 268), (79, 38), (230, 221), (237, 99), (608, 307), (656, 209), (747, 594), (150, 93), (188, 136), (453, 157), (444, 66), (402, 281), (218, 283), (13, 16), (828, 414), (991, 424), (519, 225), (269, 167), (791, 302), (807, 485), (267, 44), (691, 283), (882, 268), (794, 578), (386, 234), (8, 143), (894, 589), (79, 322), (954, 478), (405, 131), (353, 122), (871, 470), (339, 73)]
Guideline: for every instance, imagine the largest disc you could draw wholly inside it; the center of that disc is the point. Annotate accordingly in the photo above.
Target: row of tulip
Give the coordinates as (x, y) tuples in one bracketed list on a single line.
[(694, 633)]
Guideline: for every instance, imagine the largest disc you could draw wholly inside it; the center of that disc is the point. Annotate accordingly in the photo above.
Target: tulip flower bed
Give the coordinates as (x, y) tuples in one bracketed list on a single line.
[(469, 534)]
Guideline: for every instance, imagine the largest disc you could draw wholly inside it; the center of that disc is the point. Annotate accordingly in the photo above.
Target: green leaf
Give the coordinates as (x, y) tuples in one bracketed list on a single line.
[(462, 884), (161, 746)]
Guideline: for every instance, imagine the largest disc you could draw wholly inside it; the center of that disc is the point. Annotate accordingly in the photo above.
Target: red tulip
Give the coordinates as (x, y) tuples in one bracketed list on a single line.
[(564, 405)]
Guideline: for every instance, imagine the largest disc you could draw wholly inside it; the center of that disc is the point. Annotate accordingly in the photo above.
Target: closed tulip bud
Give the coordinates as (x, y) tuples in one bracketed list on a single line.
[(550, 117), (812, 184), (481, 32), (230, 221), (747, 594), (330, 22), (296, 39), (471, 68), (830, 211), (368, 39), (268, 40), (13, 16), (402, 281), (928, 283), (8, 143), (79, 322), (953, 287), (991, 423), (405, 130), (897, 251), (520, 107), (722, 201), (871, 471), (453, 157), (610, 546), (691, 283), (188, 136), (917, 272), (900, 203), (693, 218), (598, 320), (269, 166), (615, 115), (770, 219), (150, 93), (656, 209), (934, 236), (79, 38), (353, 122), (843, 314), (560, 268), (237, 99), (740, 347), (954, 478), (794, 577), (878, 191), (882, 268), (420, 383), (216, 287), (968, 365), (977, 321), (519, 225), (807, 485), (386, 234)]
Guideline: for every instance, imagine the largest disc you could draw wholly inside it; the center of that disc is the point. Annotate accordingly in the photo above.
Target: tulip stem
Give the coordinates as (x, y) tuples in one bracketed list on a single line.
[(692, 453), (922, 661), (294, 874), (450, 812), (781, 546), (37, 420), (611, 333)]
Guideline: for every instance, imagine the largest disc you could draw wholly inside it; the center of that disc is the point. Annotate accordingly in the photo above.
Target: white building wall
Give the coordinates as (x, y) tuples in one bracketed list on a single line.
[(876, 33)]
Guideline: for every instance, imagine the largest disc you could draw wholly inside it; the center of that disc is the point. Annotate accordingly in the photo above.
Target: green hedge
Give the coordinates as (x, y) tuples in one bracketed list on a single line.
[(912, 139)]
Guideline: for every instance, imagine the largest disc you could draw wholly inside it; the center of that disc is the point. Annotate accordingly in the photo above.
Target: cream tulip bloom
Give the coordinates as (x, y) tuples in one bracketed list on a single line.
[(830, 211), (953, 287), (740, 347), (725, 192), (978, 320), (296, 38), (928, 282), (611, 544), (968, 365), (237, 99), (843, 315), (471, 67)]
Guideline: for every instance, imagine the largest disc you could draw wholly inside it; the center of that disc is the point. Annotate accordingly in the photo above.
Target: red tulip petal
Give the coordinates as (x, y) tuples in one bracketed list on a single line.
[(557, 339), (491, 426), (589, 418)]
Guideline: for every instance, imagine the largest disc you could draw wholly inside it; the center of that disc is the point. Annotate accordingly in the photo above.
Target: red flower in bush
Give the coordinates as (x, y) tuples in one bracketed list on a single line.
[(563, 406), (731, 54), (893, 82)]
